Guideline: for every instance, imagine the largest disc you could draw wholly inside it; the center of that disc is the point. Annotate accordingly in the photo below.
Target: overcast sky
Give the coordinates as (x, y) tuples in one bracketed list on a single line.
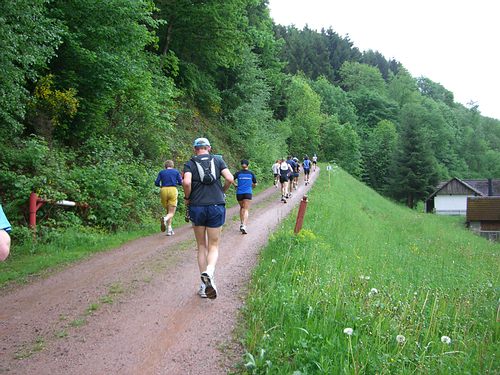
[(453, 42)]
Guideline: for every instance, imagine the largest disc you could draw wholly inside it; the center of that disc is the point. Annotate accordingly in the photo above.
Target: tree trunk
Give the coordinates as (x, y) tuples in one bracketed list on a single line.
[(409, 201), (168, 38)]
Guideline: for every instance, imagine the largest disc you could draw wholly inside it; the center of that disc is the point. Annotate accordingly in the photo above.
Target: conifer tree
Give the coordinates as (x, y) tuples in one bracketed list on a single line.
[(415, 166)]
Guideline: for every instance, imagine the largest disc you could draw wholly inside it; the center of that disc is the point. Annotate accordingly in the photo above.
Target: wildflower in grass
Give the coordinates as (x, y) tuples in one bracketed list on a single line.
[(373, 291), (445, 340), (273, 260), (400, 339), (348, 331)]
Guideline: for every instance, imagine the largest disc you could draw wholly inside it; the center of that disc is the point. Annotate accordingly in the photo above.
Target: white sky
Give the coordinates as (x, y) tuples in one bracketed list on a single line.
[(452, 42)]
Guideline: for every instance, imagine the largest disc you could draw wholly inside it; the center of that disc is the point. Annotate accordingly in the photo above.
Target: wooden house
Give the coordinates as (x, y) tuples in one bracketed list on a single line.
[(450, 197), (483, 216)]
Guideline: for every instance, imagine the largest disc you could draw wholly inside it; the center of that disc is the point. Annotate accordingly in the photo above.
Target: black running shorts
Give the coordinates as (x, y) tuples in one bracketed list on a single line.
[(240, 197)]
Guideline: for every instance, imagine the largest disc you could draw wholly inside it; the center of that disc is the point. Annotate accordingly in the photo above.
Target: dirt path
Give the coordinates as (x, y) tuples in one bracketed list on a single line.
[(134, 310)]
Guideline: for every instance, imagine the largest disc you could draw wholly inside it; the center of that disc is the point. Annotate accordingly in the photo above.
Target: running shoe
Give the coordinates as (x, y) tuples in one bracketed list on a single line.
[(201, 291), (170, 231), (210, 288), (163, 225), (243, 229)]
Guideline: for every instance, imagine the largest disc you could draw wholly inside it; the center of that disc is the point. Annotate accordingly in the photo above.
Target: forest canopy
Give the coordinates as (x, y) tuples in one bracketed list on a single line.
[(95, 95)]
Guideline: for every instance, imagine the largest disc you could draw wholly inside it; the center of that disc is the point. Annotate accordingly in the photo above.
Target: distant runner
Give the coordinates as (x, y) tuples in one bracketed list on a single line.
[(315, 161), (285, 172), (296, 172), (276, 172), (246, 180), (168, 179), (291, 163), (306, 164)]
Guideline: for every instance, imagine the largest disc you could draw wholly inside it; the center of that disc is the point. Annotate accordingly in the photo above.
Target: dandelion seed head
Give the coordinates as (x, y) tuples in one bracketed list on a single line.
[(400, 339), (445, 340), (348, 331)]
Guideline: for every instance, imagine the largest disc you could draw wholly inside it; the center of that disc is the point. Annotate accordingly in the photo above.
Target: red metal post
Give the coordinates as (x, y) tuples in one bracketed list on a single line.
[(33, 209), (35, 204), (300, 214)]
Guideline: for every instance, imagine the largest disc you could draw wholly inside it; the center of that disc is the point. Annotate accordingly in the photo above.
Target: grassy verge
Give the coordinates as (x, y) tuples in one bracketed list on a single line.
[(370, 287)]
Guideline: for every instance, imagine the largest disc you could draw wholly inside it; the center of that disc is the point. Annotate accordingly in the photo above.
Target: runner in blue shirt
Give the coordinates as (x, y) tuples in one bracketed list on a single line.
[(168, 179), (293, 166), (4, 236), (306, 164), (244, 181)]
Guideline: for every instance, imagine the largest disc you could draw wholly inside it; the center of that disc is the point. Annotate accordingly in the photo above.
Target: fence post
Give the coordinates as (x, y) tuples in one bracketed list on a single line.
[(300, 214)]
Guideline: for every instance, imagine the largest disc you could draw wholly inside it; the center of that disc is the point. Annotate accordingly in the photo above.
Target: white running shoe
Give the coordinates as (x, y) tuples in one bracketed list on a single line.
[(210, 288), (201, 291), (170, 231), (243, 229)]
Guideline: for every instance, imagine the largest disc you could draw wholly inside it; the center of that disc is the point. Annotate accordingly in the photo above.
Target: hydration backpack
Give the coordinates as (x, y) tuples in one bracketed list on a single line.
[(206, 168)]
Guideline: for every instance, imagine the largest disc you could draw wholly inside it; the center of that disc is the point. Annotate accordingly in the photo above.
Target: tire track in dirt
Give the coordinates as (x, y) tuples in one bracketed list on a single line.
[(156, 324)]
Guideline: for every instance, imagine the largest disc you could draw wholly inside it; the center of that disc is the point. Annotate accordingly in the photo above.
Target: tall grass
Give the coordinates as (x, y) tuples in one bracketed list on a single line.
[(403, 281)]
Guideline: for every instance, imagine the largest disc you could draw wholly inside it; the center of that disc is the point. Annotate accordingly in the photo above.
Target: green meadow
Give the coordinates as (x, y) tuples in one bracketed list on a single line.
[(371, 287)]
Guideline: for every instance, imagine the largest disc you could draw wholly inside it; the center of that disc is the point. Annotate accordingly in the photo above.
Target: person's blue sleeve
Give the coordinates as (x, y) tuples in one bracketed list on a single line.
[(254, 179), (4, 223), (179, 178), (157, 182)]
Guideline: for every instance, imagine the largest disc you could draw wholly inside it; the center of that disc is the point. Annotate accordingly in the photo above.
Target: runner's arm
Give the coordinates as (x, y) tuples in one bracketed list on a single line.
[(4, 245), (157, 182), (186, 185), (228, 177)]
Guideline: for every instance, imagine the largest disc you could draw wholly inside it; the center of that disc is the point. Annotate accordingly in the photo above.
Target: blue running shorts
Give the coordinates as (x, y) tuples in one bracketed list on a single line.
[(212, 216)]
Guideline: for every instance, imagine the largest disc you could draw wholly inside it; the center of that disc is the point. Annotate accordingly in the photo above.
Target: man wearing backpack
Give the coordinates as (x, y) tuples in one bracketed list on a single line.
[(205, 196)]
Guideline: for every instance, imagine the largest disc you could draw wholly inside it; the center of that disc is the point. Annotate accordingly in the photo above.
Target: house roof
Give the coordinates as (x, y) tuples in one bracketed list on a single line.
[(483, 208), (482, 186), (476, 187)]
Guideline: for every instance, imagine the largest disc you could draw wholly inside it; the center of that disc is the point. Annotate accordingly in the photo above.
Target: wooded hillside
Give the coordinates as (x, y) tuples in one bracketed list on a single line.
[(95, 95)]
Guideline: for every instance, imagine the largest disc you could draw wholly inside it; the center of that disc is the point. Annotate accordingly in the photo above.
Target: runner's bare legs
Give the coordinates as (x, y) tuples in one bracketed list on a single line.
[(244, 207), (207, 240), (170, 215), (284, 188)]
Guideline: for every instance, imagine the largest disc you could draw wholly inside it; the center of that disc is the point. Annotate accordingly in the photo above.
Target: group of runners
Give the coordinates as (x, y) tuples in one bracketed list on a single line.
[(286, 172), (205, 199)]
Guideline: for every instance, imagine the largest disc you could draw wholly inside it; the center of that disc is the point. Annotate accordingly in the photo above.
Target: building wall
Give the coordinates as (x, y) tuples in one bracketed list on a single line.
[(450, 204)]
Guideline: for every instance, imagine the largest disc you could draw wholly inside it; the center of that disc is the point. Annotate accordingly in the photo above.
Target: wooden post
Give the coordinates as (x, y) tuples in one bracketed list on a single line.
[(300, 214)]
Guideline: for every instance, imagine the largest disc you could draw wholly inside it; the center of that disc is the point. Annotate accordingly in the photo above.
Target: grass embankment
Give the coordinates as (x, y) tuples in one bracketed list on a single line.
[(419, 291)]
